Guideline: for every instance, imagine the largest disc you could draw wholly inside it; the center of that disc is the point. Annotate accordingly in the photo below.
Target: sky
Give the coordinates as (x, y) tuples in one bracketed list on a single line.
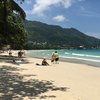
[(83, 15)]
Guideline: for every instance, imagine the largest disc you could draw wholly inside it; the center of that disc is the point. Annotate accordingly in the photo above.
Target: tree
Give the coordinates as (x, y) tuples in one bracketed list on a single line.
[(9, 23), (17, 31)]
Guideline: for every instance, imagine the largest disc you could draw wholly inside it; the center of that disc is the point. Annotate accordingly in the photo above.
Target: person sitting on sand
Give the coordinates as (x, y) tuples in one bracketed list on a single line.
[(44, 63)]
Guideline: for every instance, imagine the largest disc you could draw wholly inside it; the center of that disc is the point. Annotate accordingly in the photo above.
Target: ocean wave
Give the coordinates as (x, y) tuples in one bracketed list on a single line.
[(76, 54), (93, 56), (87, 59), (67, 53)]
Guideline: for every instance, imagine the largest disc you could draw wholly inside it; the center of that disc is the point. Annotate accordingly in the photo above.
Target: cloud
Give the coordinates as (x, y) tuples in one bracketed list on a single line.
[(41, 6), (59, 18), (28, 12), (94, 34), (28, 1)]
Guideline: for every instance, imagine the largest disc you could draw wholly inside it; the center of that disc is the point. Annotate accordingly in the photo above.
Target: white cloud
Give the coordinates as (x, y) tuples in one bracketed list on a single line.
[(42, 5), (28, 12), (59, 18), (94, 34)]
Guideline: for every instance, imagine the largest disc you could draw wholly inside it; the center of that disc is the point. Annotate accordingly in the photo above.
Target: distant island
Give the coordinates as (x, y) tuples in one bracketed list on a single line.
[(44, 36)]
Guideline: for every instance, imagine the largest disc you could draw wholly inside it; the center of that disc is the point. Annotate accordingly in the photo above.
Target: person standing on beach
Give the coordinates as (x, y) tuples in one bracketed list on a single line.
[(53, 57), (10, 53), (56, 57)]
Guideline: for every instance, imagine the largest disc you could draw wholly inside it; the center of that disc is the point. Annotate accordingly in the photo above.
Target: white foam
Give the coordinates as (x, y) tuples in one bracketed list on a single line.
[(78, 54), (67, 53), (81, 58), (93, 56)]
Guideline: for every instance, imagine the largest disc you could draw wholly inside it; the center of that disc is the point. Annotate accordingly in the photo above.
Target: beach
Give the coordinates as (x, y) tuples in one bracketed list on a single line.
[(63, 81)]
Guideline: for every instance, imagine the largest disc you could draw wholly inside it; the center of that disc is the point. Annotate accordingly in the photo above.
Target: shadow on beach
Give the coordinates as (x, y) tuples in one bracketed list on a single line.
[(14, 59), (13, 86)]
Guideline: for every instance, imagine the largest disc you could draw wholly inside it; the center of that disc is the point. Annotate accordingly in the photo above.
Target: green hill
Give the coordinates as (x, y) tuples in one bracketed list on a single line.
[(41, 35)]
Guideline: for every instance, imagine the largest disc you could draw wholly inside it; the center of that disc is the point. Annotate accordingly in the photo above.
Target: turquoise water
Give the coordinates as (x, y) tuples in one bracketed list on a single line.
[(88, 55)]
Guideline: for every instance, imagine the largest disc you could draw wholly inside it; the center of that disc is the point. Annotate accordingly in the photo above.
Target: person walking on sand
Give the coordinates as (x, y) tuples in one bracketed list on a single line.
[(56, 57)]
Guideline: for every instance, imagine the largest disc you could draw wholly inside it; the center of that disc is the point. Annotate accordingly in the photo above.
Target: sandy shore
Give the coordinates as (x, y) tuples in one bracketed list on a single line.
[(63, 81)]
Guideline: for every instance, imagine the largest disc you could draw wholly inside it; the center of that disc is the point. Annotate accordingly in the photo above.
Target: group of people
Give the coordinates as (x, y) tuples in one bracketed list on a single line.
[(21, 53), (54, 59)]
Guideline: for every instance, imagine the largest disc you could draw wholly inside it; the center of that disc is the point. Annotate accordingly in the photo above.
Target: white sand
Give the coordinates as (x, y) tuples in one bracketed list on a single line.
[(82, 81)]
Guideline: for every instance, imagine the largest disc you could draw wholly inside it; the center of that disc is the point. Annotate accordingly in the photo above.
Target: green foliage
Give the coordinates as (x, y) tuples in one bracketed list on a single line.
[(12, 29), (58, 37), (17, 31)]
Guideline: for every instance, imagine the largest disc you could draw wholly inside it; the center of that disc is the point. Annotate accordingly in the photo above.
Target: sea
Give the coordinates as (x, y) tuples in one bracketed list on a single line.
[(89, 57)]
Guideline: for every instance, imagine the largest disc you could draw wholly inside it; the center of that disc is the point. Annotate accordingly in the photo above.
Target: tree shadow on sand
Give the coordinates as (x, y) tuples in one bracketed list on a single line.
[(13, 86)]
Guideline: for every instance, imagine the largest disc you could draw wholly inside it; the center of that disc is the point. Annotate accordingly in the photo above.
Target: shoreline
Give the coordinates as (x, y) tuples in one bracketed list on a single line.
[(79, 61), (71, 60), (76, 61), (91, 61)]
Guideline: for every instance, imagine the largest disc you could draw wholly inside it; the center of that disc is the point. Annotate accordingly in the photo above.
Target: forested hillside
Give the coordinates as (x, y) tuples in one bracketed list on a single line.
[(41, 35)]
